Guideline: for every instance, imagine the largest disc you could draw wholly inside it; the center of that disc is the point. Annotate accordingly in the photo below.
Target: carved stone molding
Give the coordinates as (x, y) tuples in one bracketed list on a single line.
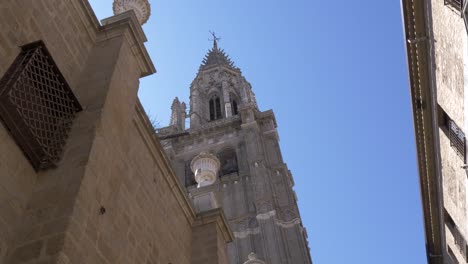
[(288, 224), (141, 7), (267, 215), (263, 206), (253, 259), (246, 233)]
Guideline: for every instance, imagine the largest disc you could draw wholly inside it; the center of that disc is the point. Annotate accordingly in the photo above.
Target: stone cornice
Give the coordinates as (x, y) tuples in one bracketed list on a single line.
[(128, 22), (88, 17), (215, 126), (418, 59), (225, 123), (215, 216), (113, 26), (235, 71)]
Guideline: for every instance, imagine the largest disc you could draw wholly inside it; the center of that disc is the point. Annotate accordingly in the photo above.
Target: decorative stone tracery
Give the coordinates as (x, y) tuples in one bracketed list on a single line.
[(141, 7)]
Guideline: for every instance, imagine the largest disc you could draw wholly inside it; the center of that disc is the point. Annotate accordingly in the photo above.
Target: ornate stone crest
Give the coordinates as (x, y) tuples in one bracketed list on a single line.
[(141, 7)]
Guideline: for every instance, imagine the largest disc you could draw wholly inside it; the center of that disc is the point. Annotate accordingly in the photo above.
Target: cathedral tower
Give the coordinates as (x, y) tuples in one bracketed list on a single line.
[(253, 184)]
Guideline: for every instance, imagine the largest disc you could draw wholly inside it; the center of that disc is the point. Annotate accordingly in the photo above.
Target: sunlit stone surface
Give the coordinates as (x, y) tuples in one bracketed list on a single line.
[(205, 166)]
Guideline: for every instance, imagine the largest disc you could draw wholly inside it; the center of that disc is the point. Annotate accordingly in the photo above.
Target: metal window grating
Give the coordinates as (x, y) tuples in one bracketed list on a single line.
[(457, 4), (460, 241), (457, 139), (37, 106)]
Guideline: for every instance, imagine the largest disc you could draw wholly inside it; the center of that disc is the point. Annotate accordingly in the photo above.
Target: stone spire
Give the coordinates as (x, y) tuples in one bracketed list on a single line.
[(178, 115), (141, 7), (216, 56)]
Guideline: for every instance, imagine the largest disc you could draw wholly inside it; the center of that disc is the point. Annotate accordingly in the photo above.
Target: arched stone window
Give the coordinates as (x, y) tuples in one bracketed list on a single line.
[(228, 159), (215, 108), (234, 106)]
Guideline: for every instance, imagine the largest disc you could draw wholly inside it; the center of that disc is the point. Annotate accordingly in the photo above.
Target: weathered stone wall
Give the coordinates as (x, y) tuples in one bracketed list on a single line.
[(69, 42), (113, 197), (449, 40), (209, 238)]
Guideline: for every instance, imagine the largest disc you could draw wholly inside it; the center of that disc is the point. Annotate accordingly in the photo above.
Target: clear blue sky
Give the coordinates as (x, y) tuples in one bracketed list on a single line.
[(334, 72)]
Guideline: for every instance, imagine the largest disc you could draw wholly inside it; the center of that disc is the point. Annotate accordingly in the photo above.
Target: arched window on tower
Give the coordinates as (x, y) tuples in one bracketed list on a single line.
[(215, 108), (234, 106), (228, 160)]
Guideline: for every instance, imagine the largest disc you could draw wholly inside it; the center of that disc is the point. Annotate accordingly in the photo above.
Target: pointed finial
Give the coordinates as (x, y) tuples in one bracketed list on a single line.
[(215, 40)]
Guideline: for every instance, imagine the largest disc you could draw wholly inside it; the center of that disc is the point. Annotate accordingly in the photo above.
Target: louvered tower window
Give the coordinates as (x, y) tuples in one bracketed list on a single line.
[(37, 106), (215, 108)]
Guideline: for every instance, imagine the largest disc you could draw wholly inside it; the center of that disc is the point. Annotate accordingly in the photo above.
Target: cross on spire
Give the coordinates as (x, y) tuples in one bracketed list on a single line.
[(214, 39)]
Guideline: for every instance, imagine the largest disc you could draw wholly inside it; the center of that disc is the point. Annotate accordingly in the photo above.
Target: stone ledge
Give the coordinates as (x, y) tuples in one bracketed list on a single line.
[(215, 216), (116, 25)]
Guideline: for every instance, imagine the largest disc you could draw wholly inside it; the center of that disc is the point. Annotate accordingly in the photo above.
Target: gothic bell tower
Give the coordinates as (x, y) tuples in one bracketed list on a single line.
[(230, 158), (219, 89)]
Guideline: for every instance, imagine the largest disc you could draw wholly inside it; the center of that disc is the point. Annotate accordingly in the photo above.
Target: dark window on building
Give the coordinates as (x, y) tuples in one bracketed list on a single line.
[(37, 106), (212, 110), (457, 235), (215, 108), (457, 4), (228, 160), (218, 108), (234, 107), (453, 132), (189, 176)]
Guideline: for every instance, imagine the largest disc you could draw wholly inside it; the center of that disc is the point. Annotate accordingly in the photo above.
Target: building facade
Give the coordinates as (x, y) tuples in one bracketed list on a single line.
[(437, 54), (83, 177), (239, 144)]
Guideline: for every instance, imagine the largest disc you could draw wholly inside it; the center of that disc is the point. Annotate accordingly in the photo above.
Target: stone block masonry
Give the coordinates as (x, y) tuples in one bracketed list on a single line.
[(113, 197)]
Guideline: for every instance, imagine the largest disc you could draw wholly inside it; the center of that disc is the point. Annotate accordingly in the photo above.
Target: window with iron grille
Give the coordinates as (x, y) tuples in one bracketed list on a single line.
[(453, 132), (457, 4), (460, 241), (457, 139), (37, 106)]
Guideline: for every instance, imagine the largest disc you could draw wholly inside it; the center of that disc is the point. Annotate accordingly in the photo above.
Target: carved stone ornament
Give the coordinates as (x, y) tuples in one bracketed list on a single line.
[(141, 7), (205, 166), (253, 259)]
